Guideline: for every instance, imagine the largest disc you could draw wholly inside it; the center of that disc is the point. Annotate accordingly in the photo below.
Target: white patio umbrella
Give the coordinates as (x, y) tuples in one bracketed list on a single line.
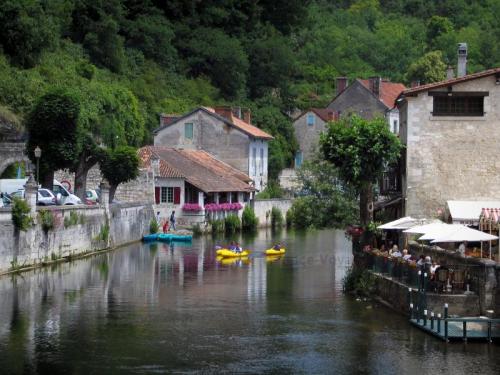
[(462, 233), (422, 229), (439, 231), (466, 234), (402, 223)]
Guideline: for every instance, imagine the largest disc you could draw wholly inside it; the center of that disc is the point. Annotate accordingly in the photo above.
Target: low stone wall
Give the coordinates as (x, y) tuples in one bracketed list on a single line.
[(77, 230), (263, 207), (395, 294)]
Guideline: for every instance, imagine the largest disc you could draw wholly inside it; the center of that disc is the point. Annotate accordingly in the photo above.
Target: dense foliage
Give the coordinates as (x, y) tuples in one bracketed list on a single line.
[(129, 60), (21, 214), (249, 221), (119, 165), (360, 150), (324, 201)]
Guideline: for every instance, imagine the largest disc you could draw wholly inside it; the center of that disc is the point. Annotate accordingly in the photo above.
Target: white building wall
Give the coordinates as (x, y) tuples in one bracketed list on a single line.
[(258, 162), (393, 120)]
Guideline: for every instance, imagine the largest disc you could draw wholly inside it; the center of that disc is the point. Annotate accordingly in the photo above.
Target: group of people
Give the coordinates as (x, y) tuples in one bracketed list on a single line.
[(423, 262), (166, 222)]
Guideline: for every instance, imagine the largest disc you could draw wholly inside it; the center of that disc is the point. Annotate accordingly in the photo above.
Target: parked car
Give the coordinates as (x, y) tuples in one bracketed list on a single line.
[(91, 197), (45, 197)]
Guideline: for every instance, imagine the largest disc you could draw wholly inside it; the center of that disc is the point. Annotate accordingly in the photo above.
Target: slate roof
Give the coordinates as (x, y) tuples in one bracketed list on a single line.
[(415, 90), (234, 121), (197, 167), (389, 91)]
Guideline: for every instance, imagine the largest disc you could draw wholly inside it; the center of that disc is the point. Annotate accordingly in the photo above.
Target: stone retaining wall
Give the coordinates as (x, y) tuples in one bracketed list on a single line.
[(95, 228), (263, 207)]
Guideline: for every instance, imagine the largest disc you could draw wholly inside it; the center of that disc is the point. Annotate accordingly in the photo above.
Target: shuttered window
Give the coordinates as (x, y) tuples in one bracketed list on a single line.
[(188, 130)]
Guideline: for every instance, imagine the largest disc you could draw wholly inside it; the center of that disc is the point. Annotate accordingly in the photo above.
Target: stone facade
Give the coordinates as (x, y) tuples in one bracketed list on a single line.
[(263, 207), (224, 142), (450, 158), (357, 99), (307, 134), (11, 152)]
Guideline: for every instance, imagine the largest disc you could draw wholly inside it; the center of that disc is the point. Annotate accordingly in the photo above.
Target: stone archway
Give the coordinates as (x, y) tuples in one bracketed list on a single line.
[(11, 153)]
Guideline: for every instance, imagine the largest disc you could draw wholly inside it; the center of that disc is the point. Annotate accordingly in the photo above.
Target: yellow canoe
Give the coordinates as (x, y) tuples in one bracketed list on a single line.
[(226, 253), (275, 252)]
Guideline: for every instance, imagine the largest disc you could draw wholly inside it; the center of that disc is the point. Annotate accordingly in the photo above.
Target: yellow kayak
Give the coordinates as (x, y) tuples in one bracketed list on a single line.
[(232, 260), (275, 252), (226, 253)]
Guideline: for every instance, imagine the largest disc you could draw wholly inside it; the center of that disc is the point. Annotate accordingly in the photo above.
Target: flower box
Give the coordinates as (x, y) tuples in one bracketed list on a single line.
[(215, 207), (193, 207)]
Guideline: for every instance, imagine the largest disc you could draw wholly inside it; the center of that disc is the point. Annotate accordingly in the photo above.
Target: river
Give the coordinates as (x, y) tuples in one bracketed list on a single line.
[(145, 309)]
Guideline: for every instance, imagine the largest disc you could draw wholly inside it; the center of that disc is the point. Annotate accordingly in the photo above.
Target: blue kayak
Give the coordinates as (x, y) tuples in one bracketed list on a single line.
[(166, 237)]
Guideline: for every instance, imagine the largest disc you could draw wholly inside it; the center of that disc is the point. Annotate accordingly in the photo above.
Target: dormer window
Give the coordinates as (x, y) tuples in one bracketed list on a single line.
[(311, 119), (458, 103)]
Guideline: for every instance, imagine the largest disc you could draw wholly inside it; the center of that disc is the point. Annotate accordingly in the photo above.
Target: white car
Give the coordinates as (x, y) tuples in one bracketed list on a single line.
[(45, 197)]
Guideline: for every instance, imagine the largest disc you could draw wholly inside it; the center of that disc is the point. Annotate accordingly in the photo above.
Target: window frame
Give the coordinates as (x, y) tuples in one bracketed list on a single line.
[(458, 104), (312, 117), (166, 194), (188, 134)]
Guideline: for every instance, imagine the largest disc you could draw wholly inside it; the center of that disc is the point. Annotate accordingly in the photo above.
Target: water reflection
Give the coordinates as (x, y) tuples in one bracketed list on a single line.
[(176, 308)]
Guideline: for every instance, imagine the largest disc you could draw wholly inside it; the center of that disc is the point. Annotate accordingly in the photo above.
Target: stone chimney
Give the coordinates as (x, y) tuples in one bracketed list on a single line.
[(224, 111), (450, 74), (247, 115), (375, 83), (332, 115), (462, 60), (341, 84)]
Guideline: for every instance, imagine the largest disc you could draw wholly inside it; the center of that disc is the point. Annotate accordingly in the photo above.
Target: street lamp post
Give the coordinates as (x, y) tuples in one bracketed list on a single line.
[(38, 154)]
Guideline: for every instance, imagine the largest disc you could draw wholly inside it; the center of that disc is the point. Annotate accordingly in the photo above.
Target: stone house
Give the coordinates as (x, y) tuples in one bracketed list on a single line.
[(307, 127), (451, 133), (368, 98), (224, 132), (194, 183)]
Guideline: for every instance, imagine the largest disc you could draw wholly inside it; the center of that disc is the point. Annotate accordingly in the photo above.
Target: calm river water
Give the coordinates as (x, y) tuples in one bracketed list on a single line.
[(160, 309)]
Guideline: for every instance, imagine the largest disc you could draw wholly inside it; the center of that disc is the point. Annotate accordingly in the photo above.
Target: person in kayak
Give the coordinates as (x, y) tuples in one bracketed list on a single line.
[(278, 246)]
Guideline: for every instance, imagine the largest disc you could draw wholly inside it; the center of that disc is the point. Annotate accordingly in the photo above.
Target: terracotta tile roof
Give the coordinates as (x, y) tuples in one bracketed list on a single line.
[(389, 91), (197, 167), (231, 120), (242, 125), (326, 114), (448, 82)]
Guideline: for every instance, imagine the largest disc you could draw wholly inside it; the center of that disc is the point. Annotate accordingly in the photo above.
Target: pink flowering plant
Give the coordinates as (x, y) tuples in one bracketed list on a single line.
[(191, 207), (214, 207)]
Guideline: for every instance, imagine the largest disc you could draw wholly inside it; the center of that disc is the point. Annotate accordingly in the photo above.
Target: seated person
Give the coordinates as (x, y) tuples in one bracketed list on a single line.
[(406, 256), (237, 248), (277, 246), (396, 253)]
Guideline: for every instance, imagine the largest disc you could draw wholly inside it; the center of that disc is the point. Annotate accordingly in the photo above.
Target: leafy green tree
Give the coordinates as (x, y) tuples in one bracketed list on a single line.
[(53, 126), (221, 57), (27, 30), (429, 68), (118, 166), (324, 201), (360, 150)]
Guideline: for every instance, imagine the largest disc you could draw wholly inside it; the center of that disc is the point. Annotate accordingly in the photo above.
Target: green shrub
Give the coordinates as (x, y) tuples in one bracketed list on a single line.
[(303, 214), (217, 226), (196, 228), (153, 226), (20, 214), (232, 223), (359, 282), (47, 220), (248, 219), (272, 190), (104, 233), (276, 217), (71, 220)]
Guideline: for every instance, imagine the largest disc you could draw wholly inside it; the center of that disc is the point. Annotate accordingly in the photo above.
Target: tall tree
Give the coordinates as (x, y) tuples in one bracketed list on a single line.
[(360, 149), (429, 68), (53, 125), (118, 166)]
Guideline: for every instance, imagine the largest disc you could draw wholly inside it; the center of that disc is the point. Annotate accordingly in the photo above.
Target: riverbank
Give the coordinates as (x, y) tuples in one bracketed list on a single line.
[(67, 232)]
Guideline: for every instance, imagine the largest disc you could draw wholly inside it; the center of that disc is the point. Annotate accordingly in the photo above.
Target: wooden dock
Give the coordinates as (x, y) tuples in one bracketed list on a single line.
[(452, 329)]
